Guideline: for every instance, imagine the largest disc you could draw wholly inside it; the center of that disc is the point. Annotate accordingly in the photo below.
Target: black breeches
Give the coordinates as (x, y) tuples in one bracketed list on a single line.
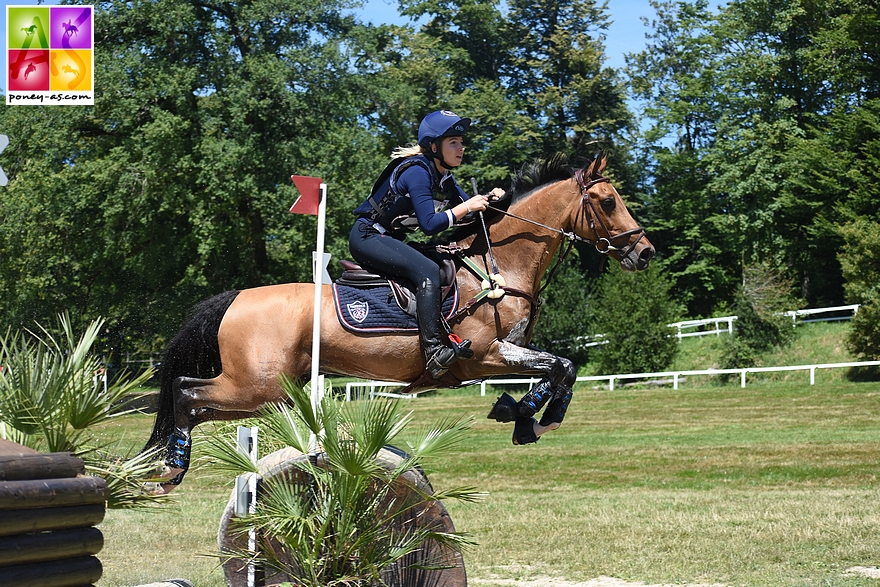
[(386, 254)]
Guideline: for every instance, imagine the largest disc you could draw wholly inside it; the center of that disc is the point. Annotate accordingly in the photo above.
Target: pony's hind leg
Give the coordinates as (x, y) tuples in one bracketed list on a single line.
[(553, 391), (185, 390)]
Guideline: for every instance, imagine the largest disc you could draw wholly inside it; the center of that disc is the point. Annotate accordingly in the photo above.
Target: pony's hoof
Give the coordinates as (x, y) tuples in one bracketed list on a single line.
[(524, 431), (156, 488), (504, 409), (165, 481)]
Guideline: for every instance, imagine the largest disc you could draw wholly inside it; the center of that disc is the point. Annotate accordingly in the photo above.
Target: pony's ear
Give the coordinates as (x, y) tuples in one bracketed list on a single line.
[(595, 169)]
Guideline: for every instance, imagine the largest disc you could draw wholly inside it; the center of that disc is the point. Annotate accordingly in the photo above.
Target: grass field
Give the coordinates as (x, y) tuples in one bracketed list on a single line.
[(773, 485)]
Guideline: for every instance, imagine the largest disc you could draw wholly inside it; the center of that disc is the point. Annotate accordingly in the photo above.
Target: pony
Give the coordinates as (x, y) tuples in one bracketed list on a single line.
[(227, 359)]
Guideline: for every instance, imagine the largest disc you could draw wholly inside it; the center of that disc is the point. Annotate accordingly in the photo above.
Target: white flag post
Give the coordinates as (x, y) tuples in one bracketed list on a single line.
[(313, 201), (318, 264)]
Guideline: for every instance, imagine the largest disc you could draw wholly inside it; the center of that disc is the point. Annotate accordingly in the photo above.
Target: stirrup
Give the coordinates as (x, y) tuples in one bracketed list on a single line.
[(462, 347), (444, 356), (438, 363)]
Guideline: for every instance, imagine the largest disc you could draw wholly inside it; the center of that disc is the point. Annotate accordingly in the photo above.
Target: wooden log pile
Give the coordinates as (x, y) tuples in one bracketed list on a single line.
[(48, 512)]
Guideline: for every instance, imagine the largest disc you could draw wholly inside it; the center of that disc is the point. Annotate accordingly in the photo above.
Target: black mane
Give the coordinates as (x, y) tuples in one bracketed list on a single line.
[(539, 173), (530, 177)]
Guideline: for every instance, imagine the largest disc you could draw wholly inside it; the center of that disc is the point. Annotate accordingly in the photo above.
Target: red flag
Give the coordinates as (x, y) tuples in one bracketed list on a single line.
[(309, 194)]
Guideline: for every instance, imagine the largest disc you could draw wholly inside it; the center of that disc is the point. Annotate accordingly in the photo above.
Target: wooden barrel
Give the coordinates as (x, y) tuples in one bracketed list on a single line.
[(284, 462), (48, 510)]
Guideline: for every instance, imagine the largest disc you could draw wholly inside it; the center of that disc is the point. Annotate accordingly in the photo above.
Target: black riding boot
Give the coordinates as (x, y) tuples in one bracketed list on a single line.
[(438, 356)]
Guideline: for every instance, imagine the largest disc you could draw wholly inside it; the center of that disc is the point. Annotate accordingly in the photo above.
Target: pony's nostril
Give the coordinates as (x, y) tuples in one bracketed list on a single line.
[(646, 254)]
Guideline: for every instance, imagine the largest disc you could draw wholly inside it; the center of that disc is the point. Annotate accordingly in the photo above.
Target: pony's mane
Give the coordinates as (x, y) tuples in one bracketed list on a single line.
[(530, 177), (539, 173)]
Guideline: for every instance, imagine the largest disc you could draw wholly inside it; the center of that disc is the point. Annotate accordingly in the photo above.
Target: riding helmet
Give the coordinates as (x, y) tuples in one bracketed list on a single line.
[(441, 123)]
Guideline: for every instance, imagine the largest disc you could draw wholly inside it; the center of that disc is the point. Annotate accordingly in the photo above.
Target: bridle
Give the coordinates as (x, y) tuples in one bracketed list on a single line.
[(603, 244)]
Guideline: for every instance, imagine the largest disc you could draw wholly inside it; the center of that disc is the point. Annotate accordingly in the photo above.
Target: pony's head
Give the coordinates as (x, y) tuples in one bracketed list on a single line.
[(604, 220)]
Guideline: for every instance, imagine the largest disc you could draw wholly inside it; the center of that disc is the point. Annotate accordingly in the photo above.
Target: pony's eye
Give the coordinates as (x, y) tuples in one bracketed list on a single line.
[(608, 204)]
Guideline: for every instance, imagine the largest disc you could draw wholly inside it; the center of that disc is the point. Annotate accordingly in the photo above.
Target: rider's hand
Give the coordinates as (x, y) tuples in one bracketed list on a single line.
[(477, 203), (496, 194)]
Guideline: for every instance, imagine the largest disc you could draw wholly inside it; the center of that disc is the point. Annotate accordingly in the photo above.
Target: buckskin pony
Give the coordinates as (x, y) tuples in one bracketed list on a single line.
[(227, 359)]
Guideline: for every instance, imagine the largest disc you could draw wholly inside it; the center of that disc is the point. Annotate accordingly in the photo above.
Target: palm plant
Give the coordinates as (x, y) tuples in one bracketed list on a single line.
[(345, 515), (51, 400)]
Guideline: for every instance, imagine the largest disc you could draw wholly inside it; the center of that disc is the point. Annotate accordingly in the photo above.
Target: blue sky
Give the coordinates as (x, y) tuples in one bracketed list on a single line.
[(626, 34)]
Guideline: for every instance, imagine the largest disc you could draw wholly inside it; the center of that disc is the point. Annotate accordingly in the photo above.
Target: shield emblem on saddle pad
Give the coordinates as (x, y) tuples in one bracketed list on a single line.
[(358, 310)]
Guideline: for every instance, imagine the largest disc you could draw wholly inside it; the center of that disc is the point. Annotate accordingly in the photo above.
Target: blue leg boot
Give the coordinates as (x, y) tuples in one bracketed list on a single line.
[(532, 402), (557, 407)]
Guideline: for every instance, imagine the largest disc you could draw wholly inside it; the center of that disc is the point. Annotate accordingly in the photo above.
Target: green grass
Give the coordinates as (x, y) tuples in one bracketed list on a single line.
[(774, 485)]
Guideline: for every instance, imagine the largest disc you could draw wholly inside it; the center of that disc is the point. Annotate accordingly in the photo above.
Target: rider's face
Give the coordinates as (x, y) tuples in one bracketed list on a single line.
[(452, 150)]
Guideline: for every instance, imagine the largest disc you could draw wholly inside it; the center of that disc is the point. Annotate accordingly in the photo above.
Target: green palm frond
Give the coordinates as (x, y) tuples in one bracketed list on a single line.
[(51, 400), (342, 516), (225, 456)]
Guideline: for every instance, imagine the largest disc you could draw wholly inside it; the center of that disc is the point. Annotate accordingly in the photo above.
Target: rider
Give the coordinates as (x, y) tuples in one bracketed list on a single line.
[(407, 186)]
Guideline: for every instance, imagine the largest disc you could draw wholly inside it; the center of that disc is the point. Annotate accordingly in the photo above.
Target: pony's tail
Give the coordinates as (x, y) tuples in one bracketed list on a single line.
[(193, 352)]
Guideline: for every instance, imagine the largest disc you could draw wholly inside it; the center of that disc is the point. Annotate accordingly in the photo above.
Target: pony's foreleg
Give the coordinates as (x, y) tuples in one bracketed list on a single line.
[(555, 388)]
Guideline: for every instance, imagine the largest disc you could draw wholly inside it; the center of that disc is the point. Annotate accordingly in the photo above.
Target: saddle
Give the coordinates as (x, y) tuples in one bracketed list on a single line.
[(353, 275)]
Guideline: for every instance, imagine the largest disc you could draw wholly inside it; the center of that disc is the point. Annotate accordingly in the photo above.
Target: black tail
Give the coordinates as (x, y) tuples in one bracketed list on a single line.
[(193, 352)]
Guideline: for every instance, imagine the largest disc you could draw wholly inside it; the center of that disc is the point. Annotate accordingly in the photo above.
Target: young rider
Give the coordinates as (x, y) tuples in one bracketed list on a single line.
[(408, 186)]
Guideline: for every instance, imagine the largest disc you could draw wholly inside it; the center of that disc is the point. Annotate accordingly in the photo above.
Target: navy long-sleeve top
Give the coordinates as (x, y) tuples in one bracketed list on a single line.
[(413, 185)]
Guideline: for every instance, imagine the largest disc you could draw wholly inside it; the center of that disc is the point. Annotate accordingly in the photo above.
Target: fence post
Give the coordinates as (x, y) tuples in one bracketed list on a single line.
[(743, 379), (246, 487)]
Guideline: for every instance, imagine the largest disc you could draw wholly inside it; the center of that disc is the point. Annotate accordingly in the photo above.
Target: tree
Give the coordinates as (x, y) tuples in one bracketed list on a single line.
[(860, 259), (762, 298), (753, 97), (632, 311), (556, 70), (175, 185), (564, 320)]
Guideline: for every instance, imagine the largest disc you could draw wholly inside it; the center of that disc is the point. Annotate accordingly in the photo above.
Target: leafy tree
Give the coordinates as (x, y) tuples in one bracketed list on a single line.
[(632, 311), (556, 70), (175, 185), (761, 324), (564, 320), (759, 100), (860, 259)]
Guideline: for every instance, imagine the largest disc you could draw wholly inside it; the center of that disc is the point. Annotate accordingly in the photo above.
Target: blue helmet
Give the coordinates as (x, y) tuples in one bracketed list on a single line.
[(441, 123)]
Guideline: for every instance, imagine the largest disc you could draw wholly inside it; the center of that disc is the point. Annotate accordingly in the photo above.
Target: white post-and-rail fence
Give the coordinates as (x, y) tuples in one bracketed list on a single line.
[(368, 389), (724, 324)]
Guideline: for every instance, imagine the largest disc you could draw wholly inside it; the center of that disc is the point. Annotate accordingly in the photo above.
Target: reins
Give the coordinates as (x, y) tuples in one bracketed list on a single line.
[(603, 244)]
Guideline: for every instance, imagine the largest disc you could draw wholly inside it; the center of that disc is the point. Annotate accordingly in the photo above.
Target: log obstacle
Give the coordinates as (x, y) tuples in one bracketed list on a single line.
[(48, 512)]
